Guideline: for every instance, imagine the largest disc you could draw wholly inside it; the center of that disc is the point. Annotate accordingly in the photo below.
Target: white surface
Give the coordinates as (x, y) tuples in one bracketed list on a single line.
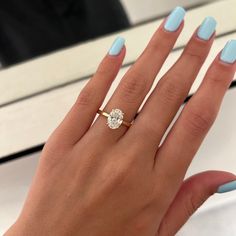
[(216, 217), (15, 178), (141, 10), (217, 221), (76, 62), (29, 122)]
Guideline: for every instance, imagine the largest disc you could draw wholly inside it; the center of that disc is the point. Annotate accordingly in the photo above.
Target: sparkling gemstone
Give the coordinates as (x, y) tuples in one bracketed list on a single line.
[(115, 118)]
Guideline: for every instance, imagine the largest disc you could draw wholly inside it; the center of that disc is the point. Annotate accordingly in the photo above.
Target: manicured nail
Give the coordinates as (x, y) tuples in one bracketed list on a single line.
[(207, 28), (231, 186), (228, 54), (117, 46), (174, 19)]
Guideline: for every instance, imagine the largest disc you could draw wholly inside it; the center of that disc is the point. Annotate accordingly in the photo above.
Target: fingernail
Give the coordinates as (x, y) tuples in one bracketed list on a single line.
[(174, 19), (117, 46), (231, 186), (228, 54), (207, 28)]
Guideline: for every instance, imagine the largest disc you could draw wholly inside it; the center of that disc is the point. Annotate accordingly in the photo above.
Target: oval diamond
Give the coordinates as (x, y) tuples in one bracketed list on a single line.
[(115, 118)]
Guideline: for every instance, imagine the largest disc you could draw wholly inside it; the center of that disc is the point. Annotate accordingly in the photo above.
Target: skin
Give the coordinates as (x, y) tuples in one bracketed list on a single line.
[(92, 180)]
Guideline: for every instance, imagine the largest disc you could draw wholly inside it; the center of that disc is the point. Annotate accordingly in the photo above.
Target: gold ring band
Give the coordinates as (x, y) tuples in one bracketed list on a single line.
[(112, 121)]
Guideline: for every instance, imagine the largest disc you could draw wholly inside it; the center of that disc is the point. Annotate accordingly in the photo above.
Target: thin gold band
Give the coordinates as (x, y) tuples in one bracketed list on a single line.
[(103, 113)]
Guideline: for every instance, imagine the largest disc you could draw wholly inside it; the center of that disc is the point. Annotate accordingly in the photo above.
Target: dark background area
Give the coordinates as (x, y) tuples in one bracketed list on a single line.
[(32, 28)]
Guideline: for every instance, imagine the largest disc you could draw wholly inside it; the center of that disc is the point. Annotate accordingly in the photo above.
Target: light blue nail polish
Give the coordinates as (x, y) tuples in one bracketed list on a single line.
[(174, 19), (207, 28), (228, 54), (231, 186), (117, 46)]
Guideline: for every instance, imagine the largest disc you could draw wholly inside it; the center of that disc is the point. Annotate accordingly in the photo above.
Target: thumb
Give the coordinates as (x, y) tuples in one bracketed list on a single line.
[(192, 194)]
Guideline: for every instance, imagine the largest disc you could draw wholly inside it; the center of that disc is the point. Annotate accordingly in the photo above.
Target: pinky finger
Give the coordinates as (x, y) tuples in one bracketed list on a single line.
[(192, 194), (184, 139), (81, 115)]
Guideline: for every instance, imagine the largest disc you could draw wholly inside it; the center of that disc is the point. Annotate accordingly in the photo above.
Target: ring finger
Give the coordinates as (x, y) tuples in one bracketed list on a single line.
[(135, 85)]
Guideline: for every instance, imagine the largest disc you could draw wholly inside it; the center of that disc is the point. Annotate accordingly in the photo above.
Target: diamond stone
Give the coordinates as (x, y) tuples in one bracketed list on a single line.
[(115, 118)]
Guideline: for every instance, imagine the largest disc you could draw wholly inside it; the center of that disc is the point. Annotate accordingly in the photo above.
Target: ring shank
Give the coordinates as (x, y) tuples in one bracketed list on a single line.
[(103, 113)]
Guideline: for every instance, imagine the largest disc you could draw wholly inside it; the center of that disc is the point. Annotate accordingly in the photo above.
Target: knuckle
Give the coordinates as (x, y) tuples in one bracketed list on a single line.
[(194, 200), (85, 97), (171, 89), (194, 194), (122, 174), (218, 82), (165, 228), (199, 121), (191, 205), (52, 158), (132, 87), (118, 178), (197, 50), (151, 131), (195, 55), (218, 75), (157, 45)]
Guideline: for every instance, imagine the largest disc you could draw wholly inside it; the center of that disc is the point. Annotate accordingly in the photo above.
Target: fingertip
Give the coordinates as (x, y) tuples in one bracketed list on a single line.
[(201, 40), (116, 46), (111, 62), (122, 53), (229, 186), (170, 33), (117, 58), (174, 19), (225, 60), (223, 64), (207, 28), (228, 54), (198, 46), (221, 71), (209, 181), (220, 66)]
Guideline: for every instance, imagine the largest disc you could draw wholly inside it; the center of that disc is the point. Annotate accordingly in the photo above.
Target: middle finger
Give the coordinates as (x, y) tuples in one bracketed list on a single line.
[(165, 100)]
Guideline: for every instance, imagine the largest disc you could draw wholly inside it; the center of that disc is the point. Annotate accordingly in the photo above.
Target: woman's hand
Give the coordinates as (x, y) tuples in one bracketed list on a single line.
[(93, 180)]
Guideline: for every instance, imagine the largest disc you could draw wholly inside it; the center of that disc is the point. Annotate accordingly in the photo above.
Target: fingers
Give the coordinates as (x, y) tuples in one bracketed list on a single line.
[(176, 153), (172, 89), (82, 113), (192, 194), (138, 80)]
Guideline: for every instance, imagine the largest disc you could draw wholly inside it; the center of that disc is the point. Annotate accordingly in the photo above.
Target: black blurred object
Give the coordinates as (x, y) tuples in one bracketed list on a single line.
[(29, 28)]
